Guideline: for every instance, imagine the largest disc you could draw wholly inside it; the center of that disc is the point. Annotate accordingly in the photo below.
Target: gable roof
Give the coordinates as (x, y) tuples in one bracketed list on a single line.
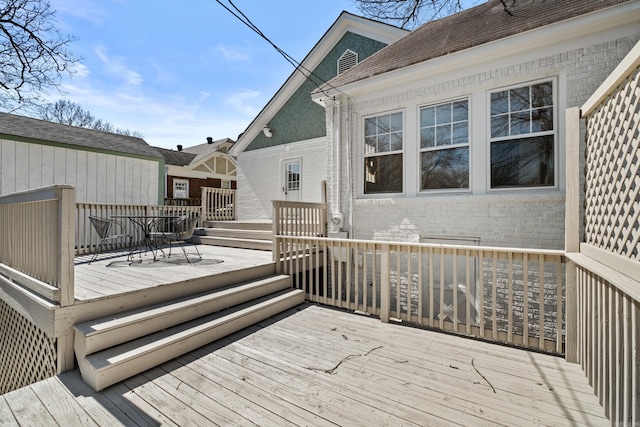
[(27, 127), (346, 22), (204, 150), (476, 26)]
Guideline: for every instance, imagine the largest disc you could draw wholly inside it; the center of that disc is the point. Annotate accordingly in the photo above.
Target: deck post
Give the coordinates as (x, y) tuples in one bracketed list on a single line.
[(385, 282), (572, 230), (67, 207)]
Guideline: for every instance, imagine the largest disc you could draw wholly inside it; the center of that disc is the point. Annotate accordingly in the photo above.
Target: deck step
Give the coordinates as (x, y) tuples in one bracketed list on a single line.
[(258, 244), (235, 234), (96, 335), (112, 349)]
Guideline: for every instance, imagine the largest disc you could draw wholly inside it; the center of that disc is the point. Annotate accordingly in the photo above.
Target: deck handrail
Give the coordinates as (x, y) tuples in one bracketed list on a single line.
[(36, 249), (414, 283), (218, 204)]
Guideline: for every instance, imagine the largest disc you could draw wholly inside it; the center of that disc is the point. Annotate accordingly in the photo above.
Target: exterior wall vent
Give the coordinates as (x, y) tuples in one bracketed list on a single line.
[(348, 59)]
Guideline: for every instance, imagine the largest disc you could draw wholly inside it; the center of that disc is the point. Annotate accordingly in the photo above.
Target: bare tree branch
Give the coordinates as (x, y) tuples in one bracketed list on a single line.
[(407, 13), (69, 113), (33, 53)]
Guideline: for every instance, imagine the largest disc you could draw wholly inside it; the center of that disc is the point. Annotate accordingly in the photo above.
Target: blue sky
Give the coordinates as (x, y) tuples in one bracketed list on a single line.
[(179, 71)]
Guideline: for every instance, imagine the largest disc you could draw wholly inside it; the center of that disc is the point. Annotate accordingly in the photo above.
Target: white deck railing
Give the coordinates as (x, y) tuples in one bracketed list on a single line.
[(513, 296), (218, 204), (299, 218)]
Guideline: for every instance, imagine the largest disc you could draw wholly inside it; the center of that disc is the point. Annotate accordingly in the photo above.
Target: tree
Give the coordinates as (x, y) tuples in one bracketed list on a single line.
[(72, 114), (33, 53), (407, 13)]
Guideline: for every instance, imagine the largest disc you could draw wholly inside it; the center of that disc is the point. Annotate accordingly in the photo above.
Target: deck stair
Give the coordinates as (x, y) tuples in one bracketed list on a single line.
[(236, 234), (119, 346)]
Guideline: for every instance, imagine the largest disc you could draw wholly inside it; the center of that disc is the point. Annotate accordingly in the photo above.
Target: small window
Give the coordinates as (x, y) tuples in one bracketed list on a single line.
[(444, 146), (180, 189), (226, 184), (383, 154), (348, 60), (523, 137)]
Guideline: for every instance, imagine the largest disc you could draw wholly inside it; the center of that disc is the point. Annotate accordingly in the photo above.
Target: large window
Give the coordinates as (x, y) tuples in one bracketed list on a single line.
[(523, 137), (444, 146), (383, 145)]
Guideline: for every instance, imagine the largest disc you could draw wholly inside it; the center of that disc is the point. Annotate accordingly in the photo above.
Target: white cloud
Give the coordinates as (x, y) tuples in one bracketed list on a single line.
[(117, 67), (232, 55), (241, 102), (80, 70)]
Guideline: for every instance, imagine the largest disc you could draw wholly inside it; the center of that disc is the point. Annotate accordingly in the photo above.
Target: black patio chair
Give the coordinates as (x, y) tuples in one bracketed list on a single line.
[(178, 230), (109, 230)]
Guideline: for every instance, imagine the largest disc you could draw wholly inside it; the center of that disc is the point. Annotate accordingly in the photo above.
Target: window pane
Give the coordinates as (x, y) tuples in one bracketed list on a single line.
[(460, 111), (499, 126), (370, 144), (519, 99), (395, 122), (370, 127), (395, 141), (443, 113), (542, 95), (428, 138), (443, 135), (526, 162), (427, 117), (445, 169), (383, 174), (383, 124), (542, 120), (520, 123), (383, 143), (500, 102), (460, 133)]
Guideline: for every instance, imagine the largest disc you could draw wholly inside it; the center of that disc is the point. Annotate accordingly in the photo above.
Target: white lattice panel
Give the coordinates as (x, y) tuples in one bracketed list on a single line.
[(27, 354), (612, 204)]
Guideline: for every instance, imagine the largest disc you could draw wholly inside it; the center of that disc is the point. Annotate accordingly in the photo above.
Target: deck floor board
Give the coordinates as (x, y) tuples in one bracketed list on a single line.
[(317, 366)]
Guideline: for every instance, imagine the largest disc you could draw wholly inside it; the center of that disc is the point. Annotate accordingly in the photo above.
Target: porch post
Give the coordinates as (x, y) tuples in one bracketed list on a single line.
[(572, 230)]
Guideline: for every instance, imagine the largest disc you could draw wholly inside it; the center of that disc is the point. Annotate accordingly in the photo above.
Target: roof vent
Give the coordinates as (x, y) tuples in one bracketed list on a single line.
[(209, 140), (179, 147), (348, 59)]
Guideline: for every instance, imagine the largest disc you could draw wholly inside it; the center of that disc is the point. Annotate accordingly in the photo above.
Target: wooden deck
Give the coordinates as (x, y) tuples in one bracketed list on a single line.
[(319, 366), (111, 275)]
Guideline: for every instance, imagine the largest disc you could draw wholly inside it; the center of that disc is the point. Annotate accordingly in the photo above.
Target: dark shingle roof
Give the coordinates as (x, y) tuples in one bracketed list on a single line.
[(26, 127), (472, 27), (176, 158)]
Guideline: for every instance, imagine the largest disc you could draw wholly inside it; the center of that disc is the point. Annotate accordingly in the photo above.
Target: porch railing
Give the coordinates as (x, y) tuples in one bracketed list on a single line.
[(36, 278), (299, 218), (513, 296), (218, 204)]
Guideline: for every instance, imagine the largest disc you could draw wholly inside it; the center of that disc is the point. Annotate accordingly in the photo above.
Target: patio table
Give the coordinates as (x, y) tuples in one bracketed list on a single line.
[(145, 223)]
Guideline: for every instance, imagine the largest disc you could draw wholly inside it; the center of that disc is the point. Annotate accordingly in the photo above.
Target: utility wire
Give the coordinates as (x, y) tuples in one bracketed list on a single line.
[(298, 66)]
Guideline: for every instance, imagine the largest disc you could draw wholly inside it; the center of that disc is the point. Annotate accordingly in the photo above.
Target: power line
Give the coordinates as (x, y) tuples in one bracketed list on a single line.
[(298, 66)]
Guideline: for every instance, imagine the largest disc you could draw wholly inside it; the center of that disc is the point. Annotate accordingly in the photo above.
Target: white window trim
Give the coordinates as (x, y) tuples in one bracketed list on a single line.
[(557, 131), (362, 155), (419, 150), (186, 186)]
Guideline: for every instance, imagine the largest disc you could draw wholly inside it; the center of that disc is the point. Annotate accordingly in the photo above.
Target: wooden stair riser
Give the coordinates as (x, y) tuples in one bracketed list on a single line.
[(110, 366), (104, 333)]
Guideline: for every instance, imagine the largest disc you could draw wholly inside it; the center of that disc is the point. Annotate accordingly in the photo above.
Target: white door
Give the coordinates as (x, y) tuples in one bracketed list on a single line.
[(292, 180)]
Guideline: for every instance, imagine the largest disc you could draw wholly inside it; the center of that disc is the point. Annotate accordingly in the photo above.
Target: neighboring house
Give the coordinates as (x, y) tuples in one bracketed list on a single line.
[(282, 155), (457, 131), (189, 169), (104, 167)]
